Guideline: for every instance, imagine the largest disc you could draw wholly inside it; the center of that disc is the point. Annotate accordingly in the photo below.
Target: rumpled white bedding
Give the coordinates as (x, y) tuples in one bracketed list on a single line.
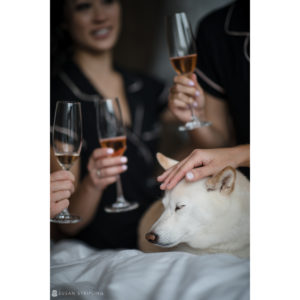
[(80, 272)]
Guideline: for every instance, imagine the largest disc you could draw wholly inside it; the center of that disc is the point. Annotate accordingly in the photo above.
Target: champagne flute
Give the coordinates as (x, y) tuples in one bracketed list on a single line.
[(183, 56), (111, 134), (67, 142)]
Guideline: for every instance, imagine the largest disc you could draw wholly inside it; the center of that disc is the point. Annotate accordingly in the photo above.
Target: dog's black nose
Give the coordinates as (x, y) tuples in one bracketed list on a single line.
[(151, 237)]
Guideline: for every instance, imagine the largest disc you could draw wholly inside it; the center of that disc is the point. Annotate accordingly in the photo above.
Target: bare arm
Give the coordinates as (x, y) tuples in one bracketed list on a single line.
[(83, 203), (221, 132)]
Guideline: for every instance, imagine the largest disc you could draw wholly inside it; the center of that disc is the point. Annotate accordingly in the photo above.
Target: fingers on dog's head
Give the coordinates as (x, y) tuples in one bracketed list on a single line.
[(197, 174)]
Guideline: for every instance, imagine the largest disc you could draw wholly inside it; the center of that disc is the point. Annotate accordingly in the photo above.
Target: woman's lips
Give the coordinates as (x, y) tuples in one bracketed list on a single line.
[(101, 33)]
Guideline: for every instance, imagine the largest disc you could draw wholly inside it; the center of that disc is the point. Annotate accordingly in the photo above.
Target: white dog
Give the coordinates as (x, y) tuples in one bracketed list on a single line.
[(208, 216)]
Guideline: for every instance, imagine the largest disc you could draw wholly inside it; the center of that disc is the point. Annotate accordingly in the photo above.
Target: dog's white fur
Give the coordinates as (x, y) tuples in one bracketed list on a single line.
[(213, 215)]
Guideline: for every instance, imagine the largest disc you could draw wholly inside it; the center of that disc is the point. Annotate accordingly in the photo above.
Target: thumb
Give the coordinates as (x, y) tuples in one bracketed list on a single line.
[(198, 173)]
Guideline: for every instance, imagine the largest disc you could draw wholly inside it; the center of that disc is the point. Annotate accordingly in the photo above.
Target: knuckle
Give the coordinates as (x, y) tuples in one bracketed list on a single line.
[(194, 152), (178, 78), (53, 211), (72, 189), (104, 173), (72, 177), (52, 197), (94, 154), (66, 203), (55, 197), (67, 193), (69, 185), (113, 179), (179, 88), (199, 151), (100, 163)]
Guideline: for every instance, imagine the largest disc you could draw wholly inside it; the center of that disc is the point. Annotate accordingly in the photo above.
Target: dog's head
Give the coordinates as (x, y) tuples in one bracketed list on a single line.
[(202, 214)]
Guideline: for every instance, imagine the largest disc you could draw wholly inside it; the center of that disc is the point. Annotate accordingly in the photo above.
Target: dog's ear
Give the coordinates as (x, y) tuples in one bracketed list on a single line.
[(165, 162), (223, 181)]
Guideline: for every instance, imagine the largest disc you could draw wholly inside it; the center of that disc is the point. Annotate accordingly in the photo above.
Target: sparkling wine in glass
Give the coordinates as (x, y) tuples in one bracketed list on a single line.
[(67, 142), (111, 134), (183, 56)]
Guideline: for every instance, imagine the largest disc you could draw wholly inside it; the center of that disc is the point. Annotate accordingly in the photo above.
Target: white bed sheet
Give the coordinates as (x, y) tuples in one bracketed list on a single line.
[(80, 272)]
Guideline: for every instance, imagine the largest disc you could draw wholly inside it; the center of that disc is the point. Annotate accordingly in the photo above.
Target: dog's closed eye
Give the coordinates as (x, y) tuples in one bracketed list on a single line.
[(179, 207)]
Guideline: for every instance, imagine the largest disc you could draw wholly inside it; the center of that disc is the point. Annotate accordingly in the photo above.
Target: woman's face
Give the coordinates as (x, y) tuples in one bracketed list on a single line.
[(94, 25)]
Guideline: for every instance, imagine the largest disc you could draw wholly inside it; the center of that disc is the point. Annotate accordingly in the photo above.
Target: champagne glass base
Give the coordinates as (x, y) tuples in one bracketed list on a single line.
[(65, 219), (119, 207), (193, 125)]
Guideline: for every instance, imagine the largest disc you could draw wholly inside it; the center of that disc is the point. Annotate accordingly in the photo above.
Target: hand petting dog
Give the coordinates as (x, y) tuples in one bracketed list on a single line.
[(204, 162)]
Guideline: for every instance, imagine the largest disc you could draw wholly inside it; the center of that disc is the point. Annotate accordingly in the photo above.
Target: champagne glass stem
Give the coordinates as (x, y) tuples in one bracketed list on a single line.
[(65, 212), (189, 76), (192, 111), (120, 195)]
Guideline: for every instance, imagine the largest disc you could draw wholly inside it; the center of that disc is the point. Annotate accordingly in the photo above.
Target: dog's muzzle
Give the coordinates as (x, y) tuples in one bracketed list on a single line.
[(151, 237)]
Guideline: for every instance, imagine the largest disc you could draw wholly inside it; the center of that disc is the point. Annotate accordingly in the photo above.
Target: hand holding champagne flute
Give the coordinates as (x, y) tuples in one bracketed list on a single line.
[(111, 134), (183, 56), (67, 142)]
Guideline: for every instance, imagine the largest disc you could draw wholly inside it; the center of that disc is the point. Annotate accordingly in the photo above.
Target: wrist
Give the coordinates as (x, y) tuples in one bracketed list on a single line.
[(241, 156), (90, 186)]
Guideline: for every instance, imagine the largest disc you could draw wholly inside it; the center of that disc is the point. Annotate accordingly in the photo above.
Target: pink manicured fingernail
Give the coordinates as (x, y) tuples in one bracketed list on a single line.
[(191, 83), (124, 167), (195, 104), (189, 175), (110, 151), (123, 159), (197, 93)]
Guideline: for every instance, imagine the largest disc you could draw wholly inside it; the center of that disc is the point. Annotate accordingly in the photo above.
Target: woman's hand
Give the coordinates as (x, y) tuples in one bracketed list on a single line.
[(61, 188), (185, 92), (202, 163), (104, 169)]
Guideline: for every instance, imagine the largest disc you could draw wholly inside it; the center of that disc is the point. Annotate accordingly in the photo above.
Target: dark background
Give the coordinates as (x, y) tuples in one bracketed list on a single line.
[(142, 45)]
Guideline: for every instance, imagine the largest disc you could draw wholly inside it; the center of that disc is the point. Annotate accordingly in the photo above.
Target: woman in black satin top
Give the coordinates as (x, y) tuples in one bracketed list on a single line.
[(92, 28)]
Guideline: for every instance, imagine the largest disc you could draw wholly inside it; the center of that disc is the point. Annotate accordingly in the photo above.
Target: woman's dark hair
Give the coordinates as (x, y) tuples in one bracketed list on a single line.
[(61, 49), (60, 40)]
